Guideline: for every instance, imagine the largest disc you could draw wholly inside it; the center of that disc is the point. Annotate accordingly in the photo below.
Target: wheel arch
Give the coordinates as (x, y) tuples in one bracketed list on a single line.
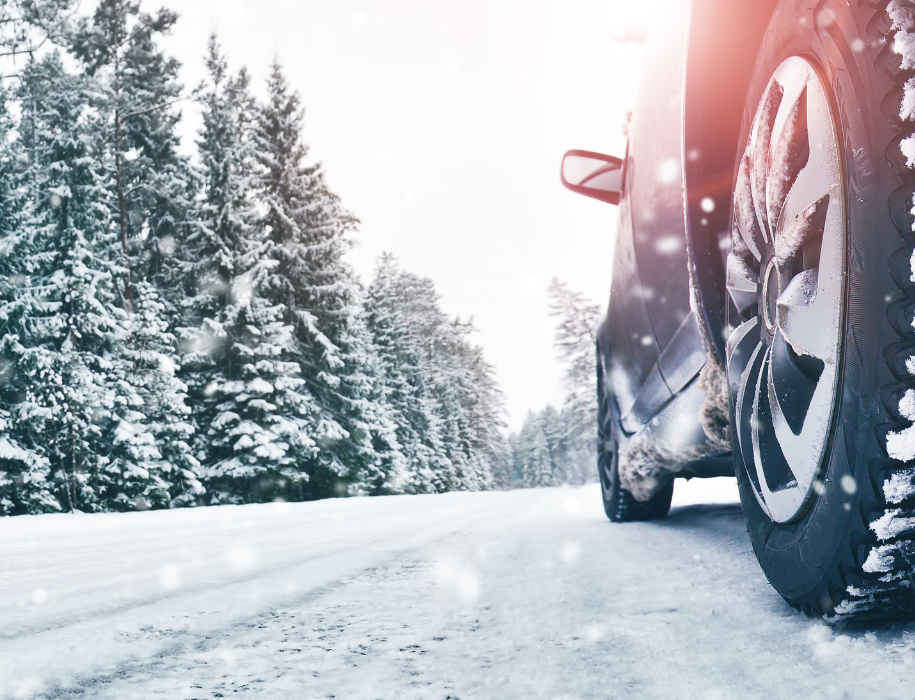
[(723, 43)]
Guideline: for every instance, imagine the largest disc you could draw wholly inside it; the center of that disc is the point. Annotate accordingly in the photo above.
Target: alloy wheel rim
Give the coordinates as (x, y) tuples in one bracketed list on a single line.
[(786, 278)]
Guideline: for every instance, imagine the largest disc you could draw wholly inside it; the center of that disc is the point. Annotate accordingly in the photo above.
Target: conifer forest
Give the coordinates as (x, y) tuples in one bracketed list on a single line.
[(184, 330)]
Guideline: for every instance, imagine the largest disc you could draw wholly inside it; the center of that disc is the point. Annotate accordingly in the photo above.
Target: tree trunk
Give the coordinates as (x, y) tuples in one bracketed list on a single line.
[(122, 205), (122, 199), (72, 469)]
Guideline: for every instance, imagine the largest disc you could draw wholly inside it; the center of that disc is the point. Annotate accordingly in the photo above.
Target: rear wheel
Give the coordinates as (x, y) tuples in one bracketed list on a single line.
[(817, 266), (620, 505)]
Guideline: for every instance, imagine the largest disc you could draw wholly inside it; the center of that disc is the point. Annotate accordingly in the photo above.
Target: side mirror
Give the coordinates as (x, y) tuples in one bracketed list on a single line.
[(593, 175)]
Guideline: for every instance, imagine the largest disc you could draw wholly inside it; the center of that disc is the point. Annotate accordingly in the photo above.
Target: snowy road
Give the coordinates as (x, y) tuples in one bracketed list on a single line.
[(525, 594)]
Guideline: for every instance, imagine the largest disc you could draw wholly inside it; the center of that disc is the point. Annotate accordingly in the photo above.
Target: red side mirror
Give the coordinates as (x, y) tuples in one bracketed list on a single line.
[(593, 175)]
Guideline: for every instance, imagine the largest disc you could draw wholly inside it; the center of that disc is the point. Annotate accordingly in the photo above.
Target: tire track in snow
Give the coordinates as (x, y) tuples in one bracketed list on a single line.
[(439, 522)]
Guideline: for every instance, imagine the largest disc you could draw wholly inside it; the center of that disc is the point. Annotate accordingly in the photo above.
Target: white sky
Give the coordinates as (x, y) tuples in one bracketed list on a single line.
[(441, 126)]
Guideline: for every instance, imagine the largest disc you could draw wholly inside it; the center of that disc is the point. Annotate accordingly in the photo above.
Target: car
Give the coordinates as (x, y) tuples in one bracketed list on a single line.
[(760, 321)]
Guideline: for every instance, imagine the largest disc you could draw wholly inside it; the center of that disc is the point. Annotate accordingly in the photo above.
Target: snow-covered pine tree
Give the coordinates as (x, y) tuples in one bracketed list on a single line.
[(64, 325), (534, 456), (548, 451), (153, 365), (507, 473), (148, 193), (308, 233), (446, 380), (24, 467), (480, 411), (151, 185), (28, 26), (25, 26), (377, 465), (579, 448), (255, 419), (576, 337), (401, 316), (558, 439), (446, 406)]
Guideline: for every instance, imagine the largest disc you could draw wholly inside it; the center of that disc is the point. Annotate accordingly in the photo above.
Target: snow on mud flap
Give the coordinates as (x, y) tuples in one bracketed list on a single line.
[(820, 276), (621, 505)]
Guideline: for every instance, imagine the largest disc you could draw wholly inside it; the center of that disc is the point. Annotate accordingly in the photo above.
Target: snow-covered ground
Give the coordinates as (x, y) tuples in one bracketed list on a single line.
[(525, 594)]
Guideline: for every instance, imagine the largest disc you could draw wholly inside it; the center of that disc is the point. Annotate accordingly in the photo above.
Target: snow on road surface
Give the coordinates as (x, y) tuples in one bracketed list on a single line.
[(522, 594)]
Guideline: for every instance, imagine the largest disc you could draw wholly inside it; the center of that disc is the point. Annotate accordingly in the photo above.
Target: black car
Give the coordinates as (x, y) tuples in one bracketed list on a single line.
[(762, 300)]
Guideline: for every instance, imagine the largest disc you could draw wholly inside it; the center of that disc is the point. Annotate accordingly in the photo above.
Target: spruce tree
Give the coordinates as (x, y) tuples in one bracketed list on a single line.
[(24, 465), (255, 420), (307, 230), (25, 27), (402, 316), (576, 341), (150, 186), (535, 460), (65, 327), (376, 462), (153, 366), (147, 192), (29, 26), (442, 393)]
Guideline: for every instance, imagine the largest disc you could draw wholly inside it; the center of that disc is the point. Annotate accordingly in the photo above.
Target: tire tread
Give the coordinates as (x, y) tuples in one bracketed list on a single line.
[(857, 594)]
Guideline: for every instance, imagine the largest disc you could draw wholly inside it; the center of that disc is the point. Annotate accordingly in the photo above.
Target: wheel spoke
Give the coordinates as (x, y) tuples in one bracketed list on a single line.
[(744, 407), (744, 357), (804, 450), (794, 380), (747, 233), (772, 468), (821, 175), (789, 156), (804, 199), (805, 227), (742, 283), (740, 346), (762, 136)]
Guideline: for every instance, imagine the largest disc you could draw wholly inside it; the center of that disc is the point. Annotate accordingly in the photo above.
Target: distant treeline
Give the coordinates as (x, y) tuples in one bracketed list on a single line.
[(556, 447)]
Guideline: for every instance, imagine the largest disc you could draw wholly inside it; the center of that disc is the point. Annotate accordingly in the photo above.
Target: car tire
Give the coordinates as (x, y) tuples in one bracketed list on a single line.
[(817, 508), (619, 504)]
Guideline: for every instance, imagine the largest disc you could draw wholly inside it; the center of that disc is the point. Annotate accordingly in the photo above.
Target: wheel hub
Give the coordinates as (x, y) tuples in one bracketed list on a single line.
[(786, 273)]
